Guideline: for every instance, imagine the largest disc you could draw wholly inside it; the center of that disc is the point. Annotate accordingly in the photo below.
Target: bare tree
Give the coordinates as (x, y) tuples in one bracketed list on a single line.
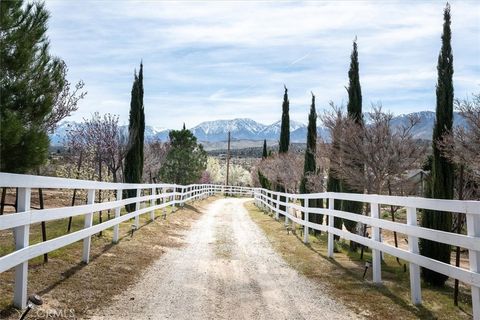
[(66, 101), (95, 150), (283, 169), (155, 154), (385, 151), (462, 146)]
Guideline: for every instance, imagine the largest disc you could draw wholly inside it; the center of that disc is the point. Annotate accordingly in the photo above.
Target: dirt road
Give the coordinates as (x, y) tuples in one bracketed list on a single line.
[(227, 270)]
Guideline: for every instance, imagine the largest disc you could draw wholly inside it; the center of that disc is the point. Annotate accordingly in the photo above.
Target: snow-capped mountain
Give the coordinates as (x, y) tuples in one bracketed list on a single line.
[(248, 129), (241, 129)]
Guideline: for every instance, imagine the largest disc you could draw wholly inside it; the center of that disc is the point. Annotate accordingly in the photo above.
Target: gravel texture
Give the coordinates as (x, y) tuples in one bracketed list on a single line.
[(226, 270)]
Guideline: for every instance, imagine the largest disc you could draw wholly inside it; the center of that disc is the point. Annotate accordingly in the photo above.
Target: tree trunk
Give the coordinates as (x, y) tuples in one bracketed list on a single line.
[(459, 230), (2, 203)]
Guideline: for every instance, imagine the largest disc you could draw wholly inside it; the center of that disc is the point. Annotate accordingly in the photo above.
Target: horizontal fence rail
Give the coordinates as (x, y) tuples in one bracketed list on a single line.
[(149, 197), (287, 205)]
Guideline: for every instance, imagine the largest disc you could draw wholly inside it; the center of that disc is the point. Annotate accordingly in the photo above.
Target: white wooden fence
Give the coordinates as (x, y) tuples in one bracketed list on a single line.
[(172, 195), (270, 200), (145, 202)]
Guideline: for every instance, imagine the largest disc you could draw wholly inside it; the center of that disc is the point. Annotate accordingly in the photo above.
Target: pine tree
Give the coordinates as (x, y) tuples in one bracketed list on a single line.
[(354, 109), (442, 169), (264, 152), (30, 81), (310, 165), (186, 160), (285, 125), (136, 130)]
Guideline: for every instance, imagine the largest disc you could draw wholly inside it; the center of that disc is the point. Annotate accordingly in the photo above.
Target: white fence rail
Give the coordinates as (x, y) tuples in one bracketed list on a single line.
[(149, 197), (270, 200)]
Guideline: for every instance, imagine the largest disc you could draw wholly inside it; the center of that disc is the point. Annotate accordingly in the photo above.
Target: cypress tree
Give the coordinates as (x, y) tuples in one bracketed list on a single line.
[(310, 165), (264, 152), (285, 125), (30, 81), (141, 122), (354, 109), (442, 169), (284, 137), (264, 183), (136, 130)]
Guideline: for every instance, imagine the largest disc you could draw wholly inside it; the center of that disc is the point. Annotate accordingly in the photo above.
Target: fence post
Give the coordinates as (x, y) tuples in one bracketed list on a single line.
[(183, 196), (473, 230), (117, 215), (152, 204), (164, 201), (376, 254), (88, 224), (306, 203), (137, 207), (287, 200), (277, 206), (21, 235), (415, 284), (174, 197), (331, 225)]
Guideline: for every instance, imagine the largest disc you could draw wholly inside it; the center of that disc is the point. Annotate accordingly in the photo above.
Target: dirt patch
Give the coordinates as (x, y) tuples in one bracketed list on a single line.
[(70, 287)]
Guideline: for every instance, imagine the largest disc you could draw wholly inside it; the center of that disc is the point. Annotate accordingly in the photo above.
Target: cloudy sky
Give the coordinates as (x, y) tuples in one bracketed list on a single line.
[(224, 60)]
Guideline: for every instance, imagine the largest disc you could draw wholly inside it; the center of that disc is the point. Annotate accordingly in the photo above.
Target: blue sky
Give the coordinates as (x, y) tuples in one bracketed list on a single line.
[(224, 60)]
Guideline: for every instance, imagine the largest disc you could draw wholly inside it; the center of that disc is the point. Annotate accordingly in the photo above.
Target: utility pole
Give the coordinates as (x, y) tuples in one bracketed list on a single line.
[(228, 159)]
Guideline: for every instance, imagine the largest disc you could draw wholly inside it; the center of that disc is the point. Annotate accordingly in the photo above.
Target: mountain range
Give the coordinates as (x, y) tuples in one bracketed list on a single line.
[(248, 129)]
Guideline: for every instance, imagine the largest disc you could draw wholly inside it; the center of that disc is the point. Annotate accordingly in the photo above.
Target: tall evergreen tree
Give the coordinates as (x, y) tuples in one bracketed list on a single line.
[(354, 109), (442, 169), (264, 183), (310, 165), (30, 82), (284, 137), (285, 125), (136, 130), (264, 152)]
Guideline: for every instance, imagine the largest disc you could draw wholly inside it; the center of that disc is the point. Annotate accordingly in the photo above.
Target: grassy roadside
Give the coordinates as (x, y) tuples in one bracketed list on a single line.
[(343, 277), (68, 285)]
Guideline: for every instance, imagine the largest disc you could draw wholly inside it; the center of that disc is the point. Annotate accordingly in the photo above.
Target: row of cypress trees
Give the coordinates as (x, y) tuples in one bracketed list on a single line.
[(442, 174)]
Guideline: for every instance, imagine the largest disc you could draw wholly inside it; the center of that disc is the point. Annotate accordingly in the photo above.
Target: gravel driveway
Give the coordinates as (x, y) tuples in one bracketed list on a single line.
[(227, 270)]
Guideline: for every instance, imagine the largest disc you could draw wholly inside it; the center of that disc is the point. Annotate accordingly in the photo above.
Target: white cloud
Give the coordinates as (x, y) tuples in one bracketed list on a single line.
[(215, 59)]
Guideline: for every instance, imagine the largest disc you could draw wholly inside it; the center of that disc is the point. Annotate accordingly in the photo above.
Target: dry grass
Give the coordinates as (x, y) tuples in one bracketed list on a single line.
[(343, 277), (65, 283)]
